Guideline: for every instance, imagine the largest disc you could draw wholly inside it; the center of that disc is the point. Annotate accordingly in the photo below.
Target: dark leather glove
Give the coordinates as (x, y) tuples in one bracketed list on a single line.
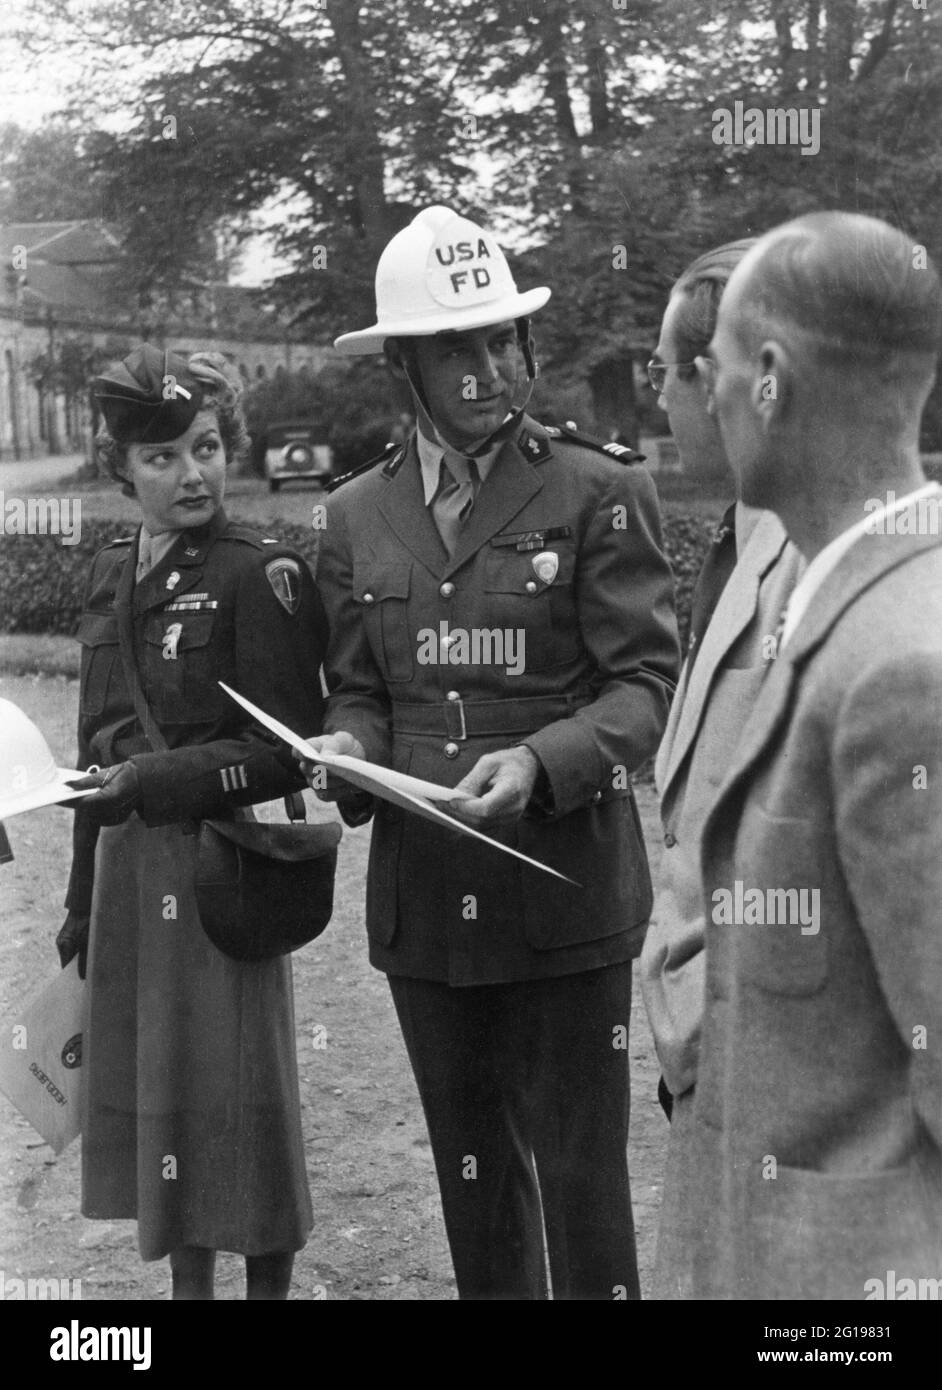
[(119, 794), (73, 941)]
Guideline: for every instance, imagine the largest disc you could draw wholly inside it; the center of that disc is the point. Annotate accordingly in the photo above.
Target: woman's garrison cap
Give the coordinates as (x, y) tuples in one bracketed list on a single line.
[(148, 398)]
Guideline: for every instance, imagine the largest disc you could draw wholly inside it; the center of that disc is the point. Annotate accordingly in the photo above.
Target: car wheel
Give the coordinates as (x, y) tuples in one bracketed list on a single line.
[(274, 484)]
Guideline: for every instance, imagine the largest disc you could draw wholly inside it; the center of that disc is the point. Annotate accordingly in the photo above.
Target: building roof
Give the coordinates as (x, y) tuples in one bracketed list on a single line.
[(77, 272)]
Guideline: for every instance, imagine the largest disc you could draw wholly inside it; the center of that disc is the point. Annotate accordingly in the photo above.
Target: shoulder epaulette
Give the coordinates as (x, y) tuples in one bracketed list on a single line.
[(118, 540), (385, 457), (237, 532), (620, 452)]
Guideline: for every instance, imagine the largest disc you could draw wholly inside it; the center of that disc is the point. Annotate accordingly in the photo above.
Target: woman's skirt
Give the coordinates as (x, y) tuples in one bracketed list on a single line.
[(192, 1118)]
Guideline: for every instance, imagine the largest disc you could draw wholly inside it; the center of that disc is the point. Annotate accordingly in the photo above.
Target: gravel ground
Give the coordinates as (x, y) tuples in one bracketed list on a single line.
[(378, 1232)]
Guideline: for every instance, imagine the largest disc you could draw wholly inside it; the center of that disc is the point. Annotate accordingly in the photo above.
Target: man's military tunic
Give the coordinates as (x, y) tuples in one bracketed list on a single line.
[(560, 561), (600, 659), (190, 1056)]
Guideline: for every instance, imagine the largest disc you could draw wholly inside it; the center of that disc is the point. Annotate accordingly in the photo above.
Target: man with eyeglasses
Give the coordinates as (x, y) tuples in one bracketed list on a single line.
[(749, 571)]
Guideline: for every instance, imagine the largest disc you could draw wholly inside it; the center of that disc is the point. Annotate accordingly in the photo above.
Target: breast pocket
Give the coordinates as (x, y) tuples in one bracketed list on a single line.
[(98, 634), (382, 597), (542, 615), (180, 666)]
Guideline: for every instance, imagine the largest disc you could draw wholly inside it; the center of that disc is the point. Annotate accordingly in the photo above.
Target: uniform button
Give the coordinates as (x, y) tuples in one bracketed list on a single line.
[(670, 840), (367, 598), (451, 750), (597, 796), (531, 586), (452, 695), (447, 589)]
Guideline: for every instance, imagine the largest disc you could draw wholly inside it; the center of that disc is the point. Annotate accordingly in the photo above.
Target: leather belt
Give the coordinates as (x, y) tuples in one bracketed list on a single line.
[(461, 719)]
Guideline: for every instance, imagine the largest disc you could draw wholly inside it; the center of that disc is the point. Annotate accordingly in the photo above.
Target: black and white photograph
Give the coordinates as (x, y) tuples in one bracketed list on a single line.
[(471, 663)]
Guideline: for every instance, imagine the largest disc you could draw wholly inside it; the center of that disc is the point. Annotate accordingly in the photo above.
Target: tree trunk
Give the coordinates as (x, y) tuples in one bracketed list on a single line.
[(614, 405), (813, 46), (553, 47), (838, 42), (596, 82), (788, 59), (364, 153)]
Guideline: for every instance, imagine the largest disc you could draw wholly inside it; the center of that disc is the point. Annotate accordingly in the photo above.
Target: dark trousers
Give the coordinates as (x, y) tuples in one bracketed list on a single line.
[(526, 1097)]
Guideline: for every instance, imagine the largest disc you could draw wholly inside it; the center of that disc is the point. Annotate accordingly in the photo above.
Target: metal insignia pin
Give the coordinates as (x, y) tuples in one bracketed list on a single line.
[(546, 565), (173, 579), (170, 639)]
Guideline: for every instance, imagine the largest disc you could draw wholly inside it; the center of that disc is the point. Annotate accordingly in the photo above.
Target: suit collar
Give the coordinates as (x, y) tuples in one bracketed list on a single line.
[(734, 612), (861, 566)]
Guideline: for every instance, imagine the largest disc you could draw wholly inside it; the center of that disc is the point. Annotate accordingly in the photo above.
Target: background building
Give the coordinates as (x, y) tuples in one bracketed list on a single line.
[(68, 303)]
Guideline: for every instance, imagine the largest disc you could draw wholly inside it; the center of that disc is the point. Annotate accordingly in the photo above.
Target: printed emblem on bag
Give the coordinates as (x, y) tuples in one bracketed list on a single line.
[(72, 1052), (284, 576)]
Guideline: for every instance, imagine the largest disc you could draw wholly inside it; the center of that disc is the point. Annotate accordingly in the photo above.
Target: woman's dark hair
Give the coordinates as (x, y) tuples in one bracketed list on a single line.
[(222, 392), (699, 291)]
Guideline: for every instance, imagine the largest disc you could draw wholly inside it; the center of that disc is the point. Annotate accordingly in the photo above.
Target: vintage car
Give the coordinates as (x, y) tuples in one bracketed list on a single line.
[(296, 449)]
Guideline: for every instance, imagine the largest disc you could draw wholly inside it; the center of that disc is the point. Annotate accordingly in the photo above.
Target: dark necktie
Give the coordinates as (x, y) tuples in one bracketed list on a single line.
[(717, 567), (459, 481)]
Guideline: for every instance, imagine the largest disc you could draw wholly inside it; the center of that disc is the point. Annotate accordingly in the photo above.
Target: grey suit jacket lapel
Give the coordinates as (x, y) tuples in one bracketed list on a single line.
[(868, 559), (734, 613)]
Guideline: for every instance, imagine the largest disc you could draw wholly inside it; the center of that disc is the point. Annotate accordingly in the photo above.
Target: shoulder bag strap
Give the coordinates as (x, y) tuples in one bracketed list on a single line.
[(148, 723)]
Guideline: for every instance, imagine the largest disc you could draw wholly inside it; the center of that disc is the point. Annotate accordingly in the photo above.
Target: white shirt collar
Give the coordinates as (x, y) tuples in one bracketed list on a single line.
[(827, 559), (430, 462)]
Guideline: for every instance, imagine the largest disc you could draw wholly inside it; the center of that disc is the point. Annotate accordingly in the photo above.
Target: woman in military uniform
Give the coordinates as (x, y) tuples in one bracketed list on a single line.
[(192, 1122)]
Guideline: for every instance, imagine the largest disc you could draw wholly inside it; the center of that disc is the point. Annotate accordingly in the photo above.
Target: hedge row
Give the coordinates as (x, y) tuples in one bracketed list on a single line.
[(42, 581)]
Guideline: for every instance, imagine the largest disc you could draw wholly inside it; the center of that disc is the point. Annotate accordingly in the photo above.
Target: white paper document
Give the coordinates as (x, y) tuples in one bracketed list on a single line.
[(411, 793)]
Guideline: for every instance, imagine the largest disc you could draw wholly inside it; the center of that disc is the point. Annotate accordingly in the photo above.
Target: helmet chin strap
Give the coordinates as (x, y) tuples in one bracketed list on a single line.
[(506, 427)]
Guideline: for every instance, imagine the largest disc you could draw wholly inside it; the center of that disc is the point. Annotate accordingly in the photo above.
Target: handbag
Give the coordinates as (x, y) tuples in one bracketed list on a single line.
[(262, 890)]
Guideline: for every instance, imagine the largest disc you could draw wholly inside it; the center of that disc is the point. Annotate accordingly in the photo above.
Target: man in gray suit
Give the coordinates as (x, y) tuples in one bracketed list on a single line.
[(747, 576), (818, 1107)]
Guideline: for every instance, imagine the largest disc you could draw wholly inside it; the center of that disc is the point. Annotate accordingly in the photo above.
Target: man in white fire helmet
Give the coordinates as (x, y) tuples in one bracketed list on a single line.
[(501, 621)]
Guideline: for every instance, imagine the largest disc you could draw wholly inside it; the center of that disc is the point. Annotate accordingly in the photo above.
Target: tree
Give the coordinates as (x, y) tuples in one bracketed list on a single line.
[(573, 126)]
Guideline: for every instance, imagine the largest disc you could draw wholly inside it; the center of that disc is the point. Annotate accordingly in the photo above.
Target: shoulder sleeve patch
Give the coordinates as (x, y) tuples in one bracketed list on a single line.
[(284, 576)]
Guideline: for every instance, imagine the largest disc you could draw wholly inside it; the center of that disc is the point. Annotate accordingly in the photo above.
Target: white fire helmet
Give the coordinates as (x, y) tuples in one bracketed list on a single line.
[(28, 774), (441, 273)]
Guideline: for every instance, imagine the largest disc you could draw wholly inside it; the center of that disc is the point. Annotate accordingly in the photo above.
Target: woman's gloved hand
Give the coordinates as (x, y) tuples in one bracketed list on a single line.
[(119, 794), (73, 941)]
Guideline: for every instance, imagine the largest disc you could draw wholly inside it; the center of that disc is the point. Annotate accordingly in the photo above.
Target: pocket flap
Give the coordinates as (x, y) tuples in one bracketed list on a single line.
[(97, 629), (195, 629), (513, 572), (372, 584)]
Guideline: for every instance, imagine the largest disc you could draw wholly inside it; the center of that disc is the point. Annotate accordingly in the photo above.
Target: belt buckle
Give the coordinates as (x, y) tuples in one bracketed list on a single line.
[(454, 701)]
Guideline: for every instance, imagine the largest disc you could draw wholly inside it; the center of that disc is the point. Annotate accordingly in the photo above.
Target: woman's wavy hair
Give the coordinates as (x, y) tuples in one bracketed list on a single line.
[(699, 291), (222, 393)]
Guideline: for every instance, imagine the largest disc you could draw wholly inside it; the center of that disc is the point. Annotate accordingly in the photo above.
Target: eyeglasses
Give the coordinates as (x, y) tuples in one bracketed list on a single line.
[(657, 372)]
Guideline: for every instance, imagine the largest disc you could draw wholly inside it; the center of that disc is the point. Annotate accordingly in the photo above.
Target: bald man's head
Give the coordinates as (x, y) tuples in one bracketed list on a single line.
[(855, 289), (824, 354)]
